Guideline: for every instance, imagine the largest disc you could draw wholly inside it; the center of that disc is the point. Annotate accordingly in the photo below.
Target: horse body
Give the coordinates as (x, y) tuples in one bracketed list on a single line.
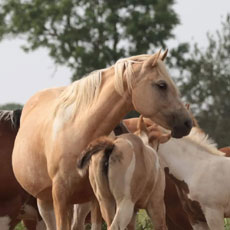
[(61, 122), (15, 203), (200, 175)]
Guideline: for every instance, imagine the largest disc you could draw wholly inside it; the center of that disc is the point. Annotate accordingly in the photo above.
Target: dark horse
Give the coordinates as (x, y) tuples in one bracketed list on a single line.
[(15, 203)]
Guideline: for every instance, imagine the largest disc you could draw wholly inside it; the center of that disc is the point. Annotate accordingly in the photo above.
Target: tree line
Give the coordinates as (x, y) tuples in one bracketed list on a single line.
[(91, 34)]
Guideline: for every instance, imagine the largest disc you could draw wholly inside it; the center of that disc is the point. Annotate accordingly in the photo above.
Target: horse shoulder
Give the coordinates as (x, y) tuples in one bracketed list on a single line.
[(41, 103)]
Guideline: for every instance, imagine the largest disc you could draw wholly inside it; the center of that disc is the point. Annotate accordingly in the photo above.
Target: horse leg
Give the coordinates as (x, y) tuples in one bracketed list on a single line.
[(80, 213), (214, 218), (107, 207), (30, 215), (34, 225), (200, 226), (156, 211), (63, 210), (46, 211), (9, 211), (123, 216), (96, 218), (132, 224)]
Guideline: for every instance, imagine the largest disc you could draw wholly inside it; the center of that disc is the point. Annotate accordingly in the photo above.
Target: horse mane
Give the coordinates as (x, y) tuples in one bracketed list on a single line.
[(81, 94), (12, 116), (198, 136)]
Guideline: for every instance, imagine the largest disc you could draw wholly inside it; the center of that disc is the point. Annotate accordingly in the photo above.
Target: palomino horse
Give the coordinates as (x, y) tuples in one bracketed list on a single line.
[(15, 203), (125, 174), (60, 122), (201, 173)]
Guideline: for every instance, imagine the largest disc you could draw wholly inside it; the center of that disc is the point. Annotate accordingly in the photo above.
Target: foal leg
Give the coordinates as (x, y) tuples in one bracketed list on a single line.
[(46, 211), (214, 218), (132, 224), (157, 213), (96, 218), (123, 216), (107, 207), (80, 213)]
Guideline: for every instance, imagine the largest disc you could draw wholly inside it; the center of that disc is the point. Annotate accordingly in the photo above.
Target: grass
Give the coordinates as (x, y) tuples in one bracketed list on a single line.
[(142, 223), (20, 227)]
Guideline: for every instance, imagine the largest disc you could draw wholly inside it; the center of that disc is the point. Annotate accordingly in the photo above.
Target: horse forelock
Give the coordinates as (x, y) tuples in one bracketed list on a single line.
[(199, 137), (11, 116), (124, 72), (123, 69)]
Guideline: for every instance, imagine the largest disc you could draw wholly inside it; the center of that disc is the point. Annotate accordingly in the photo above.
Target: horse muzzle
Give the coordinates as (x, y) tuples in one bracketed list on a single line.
[(182, 129)]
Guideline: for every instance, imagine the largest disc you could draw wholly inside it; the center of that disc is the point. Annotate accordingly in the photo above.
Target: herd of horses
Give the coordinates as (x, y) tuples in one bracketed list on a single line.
[(68, 153)]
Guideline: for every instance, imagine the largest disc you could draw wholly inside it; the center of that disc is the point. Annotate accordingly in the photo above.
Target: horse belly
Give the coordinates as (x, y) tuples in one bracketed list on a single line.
[(30, 169)]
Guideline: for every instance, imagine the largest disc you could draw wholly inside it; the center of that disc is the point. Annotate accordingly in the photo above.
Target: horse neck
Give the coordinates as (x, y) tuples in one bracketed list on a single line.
[(108, 109), (182, 156)]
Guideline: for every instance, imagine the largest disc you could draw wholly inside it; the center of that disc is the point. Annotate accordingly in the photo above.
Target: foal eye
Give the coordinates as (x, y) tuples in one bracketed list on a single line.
[(162, 85)]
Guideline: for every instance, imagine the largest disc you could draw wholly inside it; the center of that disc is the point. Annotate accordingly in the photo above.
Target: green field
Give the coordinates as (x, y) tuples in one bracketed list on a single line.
[(143, 223)]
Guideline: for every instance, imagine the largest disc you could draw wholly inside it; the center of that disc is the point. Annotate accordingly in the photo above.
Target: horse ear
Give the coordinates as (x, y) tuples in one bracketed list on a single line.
[(142, 130), (152, 60), (164, 55), (141, 125)]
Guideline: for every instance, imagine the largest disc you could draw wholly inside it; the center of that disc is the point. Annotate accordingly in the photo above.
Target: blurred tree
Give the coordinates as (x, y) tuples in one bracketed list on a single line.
[(89, 34), (204, 80), (11, 106)]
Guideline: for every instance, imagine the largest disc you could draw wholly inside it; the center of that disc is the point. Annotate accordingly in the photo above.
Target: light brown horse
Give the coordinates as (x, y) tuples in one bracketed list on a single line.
[(15, 203), (125, 174), (61, 122)]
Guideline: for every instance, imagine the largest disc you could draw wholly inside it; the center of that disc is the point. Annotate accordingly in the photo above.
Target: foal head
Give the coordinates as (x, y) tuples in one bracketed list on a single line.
[(156, 97), (152, 135)]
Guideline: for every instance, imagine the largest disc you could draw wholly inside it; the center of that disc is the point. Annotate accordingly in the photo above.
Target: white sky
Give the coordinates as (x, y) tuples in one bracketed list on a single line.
[(23, 74)]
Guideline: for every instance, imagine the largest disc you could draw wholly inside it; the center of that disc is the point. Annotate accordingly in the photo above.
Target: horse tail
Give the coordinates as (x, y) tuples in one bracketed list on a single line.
[(104, 144), (16, 118)]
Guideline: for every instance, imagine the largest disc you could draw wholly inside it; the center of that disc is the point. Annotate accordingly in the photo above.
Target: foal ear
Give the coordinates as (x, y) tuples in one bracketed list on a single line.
[(164, 55), (141, 125), (142, 131), (152, 60)]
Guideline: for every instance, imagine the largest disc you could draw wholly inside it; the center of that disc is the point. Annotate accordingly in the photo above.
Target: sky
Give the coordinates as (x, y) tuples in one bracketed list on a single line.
[(23, 74)]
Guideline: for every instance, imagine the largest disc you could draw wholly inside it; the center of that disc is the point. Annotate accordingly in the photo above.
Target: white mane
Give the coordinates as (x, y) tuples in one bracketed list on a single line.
[(199, 137)]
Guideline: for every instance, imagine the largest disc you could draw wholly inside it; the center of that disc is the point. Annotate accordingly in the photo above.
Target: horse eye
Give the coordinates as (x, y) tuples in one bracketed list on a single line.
[(162, 85)]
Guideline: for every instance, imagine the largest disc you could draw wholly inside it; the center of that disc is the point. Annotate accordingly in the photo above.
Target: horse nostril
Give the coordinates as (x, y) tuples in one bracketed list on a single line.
[(188, 123)]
